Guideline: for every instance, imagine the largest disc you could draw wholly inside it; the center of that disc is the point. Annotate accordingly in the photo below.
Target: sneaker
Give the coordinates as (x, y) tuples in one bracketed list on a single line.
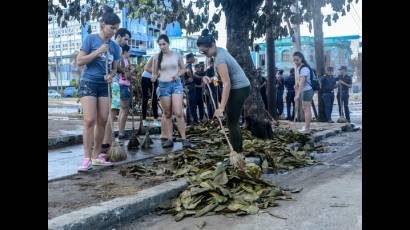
[(304, 130), (157, 123), (331, 121), (186, 143), (103, 155), (100, 161), (168, 144), (86, 165), (145, 123)]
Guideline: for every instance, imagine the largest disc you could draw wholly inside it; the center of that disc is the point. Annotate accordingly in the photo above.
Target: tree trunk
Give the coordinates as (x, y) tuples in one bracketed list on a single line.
[(296, 29), (238, 24), (319, 52), (271, 91)]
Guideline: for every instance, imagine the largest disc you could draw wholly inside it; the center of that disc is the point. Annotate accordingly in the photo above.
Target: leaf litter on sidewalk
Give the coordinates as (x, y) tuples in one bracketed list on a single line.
[(216, 187)]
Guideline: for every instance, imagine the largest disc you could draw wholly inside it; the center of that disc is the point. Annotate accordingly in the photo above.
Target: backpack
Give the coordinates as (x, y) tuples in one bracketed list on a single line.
[(314, 80)]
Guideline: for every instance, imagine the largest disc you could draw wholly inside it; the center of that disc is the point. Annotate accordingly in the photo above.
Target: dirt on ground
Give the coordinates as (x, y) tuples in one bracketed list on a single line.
[(87, 189)]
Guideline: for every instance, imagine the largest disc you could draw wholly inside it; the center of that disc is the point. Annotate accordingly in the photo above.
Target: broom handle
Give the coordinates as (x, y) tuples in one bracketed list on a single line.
[(341, 102), (110, 96), (152, 100), (219, 119), (132, 107)]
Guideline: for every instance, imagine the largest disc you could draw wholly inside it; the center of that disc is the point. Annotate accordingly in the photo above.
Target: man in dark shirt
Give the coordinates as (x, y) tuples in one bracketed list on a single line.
[(189, 88), (344, 83), (210, 72), (290, 94), (198, 74), (280, 85), (327, 85), (262, 88)]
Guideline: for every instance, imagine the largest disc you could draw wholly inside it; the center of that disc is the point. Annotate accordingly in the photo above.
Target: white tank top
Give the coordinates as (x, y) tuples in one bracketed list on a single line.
[(169, 67)]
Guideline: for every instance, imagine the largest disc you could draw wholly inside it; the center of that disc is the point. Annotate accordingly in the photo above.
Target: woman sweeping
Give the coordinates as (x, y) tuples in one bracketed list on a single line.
[(94, 88), (168, 66), (236, 86)]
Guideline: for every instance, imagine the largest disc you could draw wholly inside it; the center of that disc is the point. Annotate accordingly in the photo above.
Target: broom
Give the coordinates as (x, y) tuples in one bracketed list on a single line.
[(342, 118), (235, 158), (134, 142), (147, 139), (115, 153)]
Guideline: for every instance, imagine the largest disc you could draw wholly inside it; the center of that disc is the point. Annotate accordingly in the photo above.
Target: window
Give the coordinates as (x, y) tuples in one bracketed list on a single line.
[(286, 56)]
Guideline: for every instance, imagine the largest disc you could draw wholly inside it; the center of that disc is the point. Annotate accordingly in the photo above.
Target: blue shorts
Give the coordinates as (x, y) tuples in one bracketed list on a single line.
[(88, 88), (125, 92), (166, 89)]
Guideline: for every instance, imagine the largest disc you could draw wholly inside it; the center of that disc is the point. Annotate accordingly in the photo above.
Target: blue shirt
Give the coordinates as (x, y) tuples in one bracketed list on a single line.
[(95, 70)]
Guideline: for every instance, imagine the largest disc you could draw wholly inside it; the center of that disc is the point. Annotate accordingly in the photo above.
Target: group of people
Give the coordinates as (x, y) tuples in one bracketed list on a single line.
[(197, 94), (298, 85), (106, 89)]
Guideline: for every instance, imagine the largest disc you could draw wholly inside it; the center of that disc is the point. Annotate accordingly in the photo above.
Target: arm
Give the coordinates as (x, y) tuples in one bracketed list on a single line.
[(83, 58), (224, 74), (155, 71), (148, 65), (190, 77), (181, 66), (299, 88), (346, 84), (86, 56)]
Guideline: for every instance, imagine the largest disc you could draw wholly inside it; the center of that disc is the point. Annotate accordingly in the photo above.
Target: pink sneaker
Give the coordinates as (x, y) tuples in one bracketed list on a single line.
[(100, 161), (86, 165), (103, 155)]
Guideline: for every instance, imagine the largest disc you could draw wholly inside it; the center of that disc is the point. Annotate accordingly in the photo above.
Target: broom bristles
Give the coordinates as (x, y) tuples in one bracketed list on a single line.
[(147, 141), (237, 160), (134, 142), (116, 153)]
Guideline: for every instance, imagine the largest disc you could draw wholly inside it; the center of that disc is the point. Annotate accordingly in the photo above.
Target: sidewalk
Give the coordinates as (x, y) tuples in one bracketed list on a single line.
[(64, 162)]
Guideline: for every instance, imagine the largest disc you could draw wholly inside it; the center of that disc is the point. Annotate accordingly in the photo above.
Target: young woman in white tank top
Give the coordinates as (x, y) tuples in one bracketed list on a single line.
[(168, 66)]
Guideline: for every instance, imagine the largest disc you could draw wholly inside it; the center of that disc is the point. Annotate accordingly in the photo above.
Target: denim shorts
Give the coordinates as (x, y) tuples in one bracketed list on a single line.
[(93, 89), (125, 92), (307, 95), (166, 89)]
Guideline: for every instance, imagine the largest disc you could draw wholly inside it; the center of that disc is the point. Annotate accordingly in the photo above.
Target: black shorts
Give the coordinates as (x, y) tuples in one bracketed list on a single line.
[(93, 89)]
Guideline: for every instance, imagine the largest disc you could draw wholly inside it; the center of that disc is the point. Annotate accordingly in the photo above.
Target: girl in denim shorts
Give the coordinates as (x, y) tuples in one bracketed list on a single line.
[(168, 66), (95, 51)]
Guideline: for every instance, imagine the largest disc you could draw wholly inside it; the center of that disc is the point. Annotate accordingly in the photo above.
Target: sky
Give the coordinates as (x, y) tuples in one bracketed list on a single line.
[(350, 24)]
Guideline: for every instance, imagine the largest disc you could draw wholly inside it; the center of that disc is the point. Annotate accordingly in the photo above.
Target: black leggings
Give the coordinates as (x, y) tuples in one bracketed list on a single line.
[(147, 86), (233, 109)]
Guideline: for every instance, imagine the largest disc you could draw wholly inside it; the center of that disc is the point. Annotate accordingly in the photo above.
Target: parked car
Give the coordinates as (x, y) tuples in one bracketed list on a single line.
[(70, 92), (53, 93)]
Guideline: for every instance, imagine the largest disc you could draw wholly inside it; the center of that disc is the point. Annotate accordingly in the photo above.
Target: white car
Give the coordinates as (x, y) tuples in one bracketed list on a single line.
[(53, 93)]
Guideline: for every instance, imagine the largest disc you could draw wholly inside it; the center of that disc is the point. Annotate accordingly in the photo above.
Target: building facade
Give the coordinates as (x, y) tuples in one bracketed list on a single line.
[(338, 52), (64, 44)]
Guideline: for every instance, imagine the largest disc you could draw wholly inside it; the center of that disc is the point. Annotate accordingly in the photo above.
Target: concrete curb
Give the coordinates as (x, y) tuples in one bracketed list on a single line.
[(64, 141), (318, 136), (113, 212)]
